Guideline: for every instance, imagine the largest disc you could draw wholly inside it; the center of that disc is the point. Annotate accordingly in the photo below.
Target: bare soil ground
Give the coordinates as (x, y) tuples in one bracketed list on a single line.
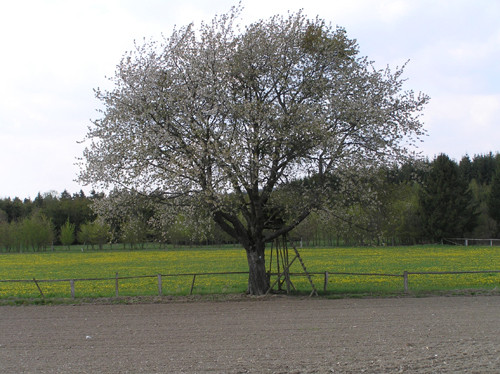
[(270, 335)]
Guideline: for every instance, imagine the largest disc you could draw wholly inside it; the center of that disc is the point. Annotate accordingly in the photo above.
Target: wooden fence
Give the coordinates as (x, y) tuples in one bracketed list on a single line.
[(405, 275), (326, 276)]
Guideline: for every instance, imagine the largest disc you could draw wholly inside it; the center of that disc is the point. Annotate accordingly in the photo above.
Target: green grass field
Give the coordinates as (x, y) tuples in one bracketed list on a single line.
[(386, 260)]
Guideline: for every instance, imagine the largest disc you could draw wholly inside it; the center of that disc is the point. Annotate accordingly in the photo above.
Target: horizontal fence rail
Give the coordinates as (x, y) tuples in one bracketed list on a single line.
[(326, 275)]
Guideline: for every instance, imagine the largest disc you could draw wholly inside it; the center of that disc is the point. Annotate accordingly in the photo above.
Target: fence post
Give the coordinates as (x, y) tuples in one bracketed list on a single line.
[(72, 284), (405, 277), (325, 285), (159, 285), (116, 285)]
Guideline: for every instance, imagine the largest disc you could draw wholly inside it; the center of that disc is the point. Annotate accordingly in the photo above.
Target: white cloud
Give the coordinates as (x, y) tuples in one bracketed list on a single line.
[(460, 124), (395, 10)]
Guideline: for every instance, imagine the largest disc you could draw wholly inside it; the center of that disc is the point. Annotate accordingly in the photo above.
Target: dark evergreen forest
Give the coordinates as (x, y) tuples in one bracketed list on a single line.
[(417, 202)]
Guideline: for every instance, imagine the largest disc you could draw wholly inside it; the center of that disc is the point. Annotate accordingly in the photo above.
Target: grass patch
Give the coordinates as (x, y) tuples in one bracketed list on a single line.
[(105, 264)]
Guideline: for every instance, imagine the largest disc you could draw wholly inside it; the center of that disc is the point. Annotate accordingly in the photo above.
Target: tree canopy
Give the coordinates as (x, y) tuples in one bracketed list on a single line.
[(222, 118)]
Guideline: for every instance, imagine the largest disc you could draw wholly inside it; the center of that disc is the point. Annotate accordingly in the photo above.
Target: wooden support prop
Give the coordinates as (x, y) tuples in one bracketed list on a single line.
[(116, 285), (278, 253), (39, 289), (192, 285), (313, 292), (280, 275), (325, 284), (287, 280), (159, 285), (271, 260), (72, 285), (405, 278)]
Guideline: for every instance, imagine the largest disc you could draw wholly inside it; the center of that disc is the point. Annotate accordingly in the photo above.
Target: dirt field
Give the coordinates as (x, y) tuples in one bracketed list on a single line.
[(272, 335)]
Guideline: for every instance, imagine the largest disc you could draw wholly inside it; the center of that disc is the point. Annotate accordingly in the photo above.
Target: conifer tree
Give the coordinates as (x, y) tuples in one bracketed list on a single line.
[(494, 199), (446, 201)]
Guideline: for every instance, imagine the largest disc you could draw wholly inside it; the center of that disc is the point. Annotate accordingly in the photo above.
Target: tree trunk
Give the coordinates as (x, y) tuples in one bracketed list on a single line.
[(258, 281)]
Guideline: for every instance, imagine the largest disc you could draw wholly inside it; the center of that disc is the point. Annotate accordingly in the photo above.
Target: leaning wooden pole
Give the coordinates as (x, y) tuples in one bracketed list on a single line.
[(313, 292), (39, 289)]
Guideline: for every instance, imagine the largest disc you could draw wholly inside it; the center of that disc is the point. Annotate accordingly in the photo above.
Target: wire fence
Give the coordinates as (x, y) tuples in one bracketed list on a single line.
[(159, 282)]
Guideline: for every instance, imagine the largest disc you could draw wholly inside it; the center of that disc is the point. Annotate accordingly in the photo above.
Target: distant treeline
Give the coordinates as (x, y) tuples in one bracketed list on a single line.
[(416, 202), (419, 202)]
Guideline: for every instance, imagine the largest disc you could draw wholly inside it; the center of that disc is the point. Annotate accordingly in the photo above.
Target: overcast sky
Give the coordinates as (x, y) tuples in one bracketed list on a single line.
[(55, 52)]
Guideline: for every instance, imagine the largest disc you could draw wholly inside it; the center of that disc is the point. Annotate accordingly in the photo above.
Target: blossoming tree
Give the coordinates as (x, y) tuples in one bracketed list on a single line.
[(223, 116)]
